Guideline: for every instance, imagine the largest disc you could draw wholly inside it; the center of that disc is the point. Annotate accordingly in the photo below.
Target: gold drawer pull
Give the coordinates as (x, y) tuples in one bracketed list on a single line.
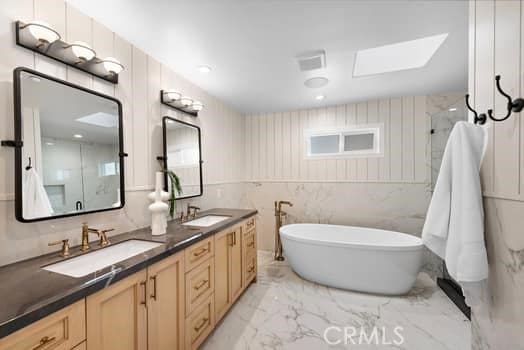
[(252, 244), (201, 325), (201, 284), (251, 269), (43, 342), (250, 223), (200, 252)]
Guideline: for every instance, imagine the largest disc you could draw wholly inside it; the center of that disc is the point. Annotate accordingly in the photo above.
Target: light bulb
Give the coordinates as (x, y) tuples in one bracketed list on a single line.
[(320, 97), (112, 65), (82, 50), (173, 95), (204, 69), (186, 101), (43, 32), (197, 106)]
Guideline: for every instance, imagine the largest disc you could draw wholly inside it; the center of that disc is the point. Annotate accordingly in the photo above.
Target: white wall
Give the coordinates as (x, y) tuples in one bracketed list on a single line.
[(497, 47), (139, 91)]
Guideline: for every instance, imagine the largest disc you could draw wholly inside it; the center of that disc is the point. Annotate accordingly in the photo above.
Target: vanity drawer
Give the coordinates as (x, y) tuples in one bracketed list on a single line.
[(199, 252), (250, 243), (249, 224), (200, 284), (250, 267), (200, 323), (62, 330)]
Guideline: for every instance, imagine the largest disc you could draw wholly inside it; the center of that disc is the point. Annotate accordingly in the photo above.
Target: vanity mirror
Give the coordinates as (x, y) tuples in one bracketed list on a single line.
[(183, 156), (68, 149)]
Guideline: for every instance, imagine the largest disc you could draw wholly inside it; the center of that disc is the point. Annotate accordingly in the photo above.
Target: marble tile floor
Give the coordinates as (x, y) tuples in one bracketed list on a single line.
[(283, 311)]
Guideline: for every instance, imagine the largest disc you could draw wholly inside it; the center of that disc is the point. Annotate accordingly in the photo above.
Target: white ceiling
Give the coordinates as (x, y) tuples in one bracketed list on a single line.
[(251, 45)]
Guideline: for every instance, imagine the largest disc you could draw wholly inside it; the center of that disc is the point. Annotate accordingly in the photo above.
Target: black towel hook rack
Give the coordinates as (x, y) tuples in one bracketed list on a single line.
[(479, 118), (514, 106), (29, 166)]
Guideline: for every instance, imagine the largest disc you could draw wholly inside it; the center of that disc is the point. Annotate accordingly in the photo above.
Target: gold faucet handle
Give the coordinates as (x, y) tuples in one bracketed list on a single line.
[(65, 246), (103, 237)]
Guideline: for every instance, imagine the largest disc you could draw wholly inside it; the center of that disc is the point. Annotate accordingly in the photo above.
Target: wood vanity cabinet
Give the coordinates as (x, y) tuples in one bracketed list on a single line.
[(62, 330), (144, 311), (174, 304), (228, 269)]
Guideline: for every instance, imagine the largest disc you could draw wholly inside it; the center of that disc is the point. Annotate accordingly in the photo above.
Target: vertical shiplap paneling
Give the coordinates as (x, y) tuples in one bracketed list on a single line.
[(295, 145), (270, 138), (521, 167), (362, 164), (331, 164), (11, 58), (124, 92), (351, 164), (286, 145), (471, 56), (248, 161), (396, 140), (506, 144), (263, 145), (340, 116), (154, 117), (421, 138), (278, 145), (54, 13), (79, 27), (408, 156), (373, 162), (384, 162), (303, 121), (103, 44), (485, 75), (140, 122), (255, 135)]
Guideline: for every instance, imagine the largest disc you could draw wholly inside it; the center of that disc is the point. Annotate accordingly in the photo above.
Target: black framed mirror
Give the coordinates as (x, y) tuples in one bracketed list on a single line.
[(69, 149), (183, 156)]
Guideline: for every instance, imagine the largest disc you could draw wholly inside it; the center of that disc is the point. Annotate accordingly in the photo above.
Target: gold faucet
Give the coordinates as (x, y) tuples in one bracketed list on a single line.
[(85, 236), (188, 215), (279, 218)]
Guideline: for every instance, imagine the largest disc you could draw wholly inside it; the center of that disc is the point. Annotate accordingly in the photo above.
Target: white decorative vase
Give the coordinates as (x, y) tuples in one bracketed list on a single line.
[(158, 209)]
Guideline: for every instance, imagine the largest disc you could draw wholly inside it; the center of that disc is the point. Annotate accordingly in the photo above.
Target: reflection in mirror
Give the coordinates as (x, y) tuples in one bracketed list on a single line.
[(182, 152), (70, 159)]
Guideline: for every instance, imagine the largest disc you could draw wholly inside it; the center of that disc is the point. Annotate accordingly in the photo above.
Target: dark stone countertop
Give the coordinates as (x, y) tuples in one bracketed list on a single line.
[(29, 293)]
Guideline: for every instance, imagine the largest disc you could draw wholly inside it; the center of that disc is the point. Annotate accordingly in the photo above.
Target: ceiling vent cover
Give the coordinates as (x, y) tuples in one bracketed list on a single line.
[(311, 60)]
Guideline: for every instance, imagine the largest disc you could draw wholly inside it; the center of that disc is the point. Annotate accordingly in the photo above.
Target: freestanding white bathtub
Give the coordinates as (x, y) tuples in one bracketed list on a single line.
[(355, 258)]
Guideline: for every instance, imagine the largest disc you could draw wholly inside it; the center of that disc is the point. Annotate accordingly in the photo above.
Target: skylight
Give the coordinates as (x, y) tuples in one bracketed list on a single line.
[(105, 120), (395, 57)]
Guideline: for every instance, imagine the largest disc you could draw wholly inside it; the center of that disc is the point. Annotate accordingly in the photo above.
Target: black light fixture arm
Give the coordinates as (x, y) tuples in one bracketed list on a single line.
[(479, 118), (514, 106)]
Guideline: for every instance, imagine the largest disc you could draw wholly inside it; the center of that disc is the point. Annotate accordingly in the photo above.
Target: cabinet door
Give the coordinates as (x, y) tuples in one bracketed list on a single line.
[(236, 264), (117, 316), (166, 304), (223, 240)]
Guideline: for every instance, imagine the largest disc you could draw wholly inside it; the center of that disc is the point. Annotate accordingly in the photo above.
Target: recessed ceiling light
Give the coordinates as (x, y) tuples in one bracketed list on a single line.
[(316, 82), (204, 69), (320, 97), (49, 143), (452, 109), (400, 56), (78, 136)]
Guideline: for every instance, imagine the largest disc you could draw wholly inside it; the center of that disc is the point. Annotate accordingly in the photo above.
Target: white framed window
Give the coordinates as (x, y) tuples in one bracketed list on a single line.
[(363, 141)]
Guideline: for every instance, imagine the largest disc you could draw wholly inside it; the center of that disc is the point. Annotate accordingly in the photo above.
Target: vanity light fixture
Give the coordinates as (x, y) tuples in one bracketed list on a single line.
[(42, 32), (186, 101), (197, 106), (40, 37), (173, 95), (112, 65), (176, 100), (82, 51)]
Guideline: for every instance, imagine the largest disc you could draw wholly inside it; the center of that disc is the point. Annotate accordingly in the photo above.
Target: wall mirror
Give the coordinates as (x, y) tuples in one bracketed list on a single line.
[(183, 156), (71, 159)]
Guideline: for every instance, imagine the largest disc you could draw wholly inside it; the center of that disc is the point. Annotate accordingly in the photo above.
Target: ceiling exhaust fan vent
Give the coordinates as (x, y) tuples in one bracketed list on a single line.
[(311, 60)]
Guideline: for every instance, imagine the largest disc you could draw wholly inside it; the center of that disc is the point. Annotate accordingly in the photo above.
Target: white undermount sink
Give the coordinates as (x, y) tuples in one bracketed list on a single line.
[(99, 259), (208, 220)]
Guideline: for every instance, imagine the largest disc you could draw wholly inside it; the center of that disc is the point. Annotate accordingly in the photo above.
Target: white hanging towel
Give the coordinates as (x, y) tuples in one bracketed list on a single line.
[(454, 227), (34, 197)]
